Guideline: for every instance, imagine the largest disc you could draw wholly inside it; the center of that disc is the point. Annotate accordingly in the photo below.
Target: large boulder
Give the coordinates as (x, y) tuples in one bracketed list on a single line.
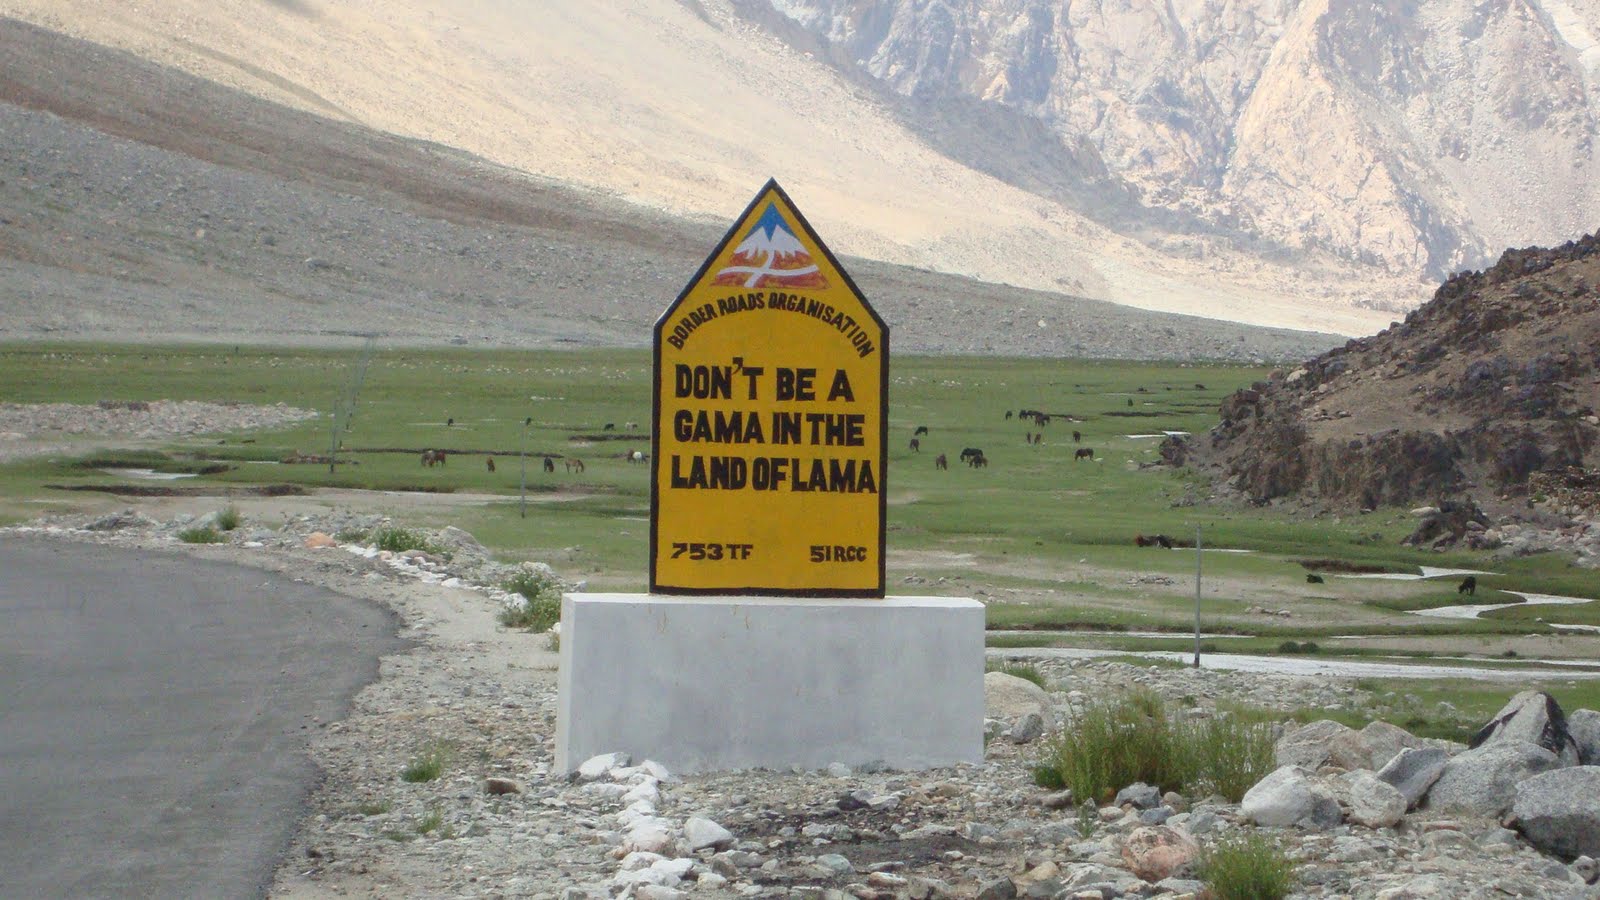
[(1159, 852), (1288, 796), (1584, 726), (1384, 742), (1413, 771), (1484, 781), (1534, 717), (1559, 811), (1321, 743), (1009, 697), (1369, 801)]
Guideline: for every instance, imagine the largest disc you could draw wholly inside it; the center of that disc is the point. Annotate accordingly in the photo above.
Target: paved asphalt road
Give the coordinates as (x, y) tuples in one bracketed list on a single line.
[(153, 714)]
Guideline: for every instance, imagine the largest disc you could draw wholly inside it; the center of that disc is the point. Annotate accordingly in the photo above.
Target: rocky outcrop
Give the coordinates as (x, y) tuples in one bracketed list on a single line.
[(1532, 717), (1489, 385), (1483, 782), (1559, 812)]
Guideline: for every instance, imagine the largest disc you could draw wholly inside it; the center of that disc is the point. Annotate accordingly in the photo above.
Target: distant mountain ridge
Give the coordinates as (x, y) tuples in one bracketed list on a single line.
[(1419, 138)]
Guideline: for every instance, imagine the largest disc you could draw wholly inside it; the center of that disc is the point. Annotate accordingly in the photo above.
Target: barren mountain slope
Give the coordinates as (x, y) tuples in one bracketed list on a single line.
[(139, 202), (1494, 381), (1415, 137), (687, 107)]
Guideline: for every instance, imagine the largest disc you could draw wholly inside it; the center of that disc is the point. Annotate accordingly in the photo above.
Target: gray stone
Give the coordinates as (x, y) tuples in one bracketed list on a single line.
[(1559, 811), (1384, 741), (919, 887), (1282, 798), (835, 865), (839, 770), (1584, 727), (1057, 800), (1141, 795), (1533, 717), (701, 833), (1157, 816), (598, 765), (1009, 697), (1586, 869), (999, 889), (1413, 771), (1484, 781), (1371, 801), (1027, 729), (1321, 743)]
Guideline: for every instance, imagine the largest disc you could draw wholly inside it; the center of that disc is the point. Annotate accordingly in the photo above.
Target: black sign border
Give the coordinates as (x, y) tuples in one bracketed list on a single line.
[(883, 418)]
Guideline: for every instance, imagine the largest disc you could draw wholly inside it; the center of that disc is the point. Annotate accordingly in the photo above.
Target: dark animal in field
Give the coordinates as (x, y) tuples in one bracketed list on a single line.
[(1469, 586), (549, 464), (490, 463), (939, 462), (1130, 401), (440, 456), (1154, 540), (969, 453), (450, 422), (916, 446), (979, 462), (1008, 415), (431, 458), (1198, 386), (1313, 579), (610, 426), (921, 430), (1076, 437), (1083, 453), (574, 464)]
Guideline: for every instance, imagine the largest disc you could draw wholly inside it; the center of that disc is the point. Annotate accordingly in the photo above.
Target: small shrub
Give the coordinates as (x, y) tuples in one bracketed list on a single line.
[(1309, 647), (1289, 647), (228, 518), (1230, 752), (374, 807), (1247, 866), (399, 540), (200, 535), (1088, 819), (427, 767), (352, 535), (1110, 745), (1025, 671), (431, 822), (541, 595)]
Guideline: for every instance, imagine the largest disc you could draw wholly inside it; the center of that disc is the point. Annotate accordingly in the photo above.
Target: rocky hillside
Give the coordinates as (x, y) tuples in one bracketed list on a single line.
[(140, 202), (1493, 383), (1414, 137)]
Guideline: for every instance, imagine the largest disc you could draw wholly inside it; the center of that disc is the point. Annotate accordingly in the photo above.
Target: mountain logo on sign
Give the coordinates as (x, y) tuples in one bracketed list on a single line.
[(771, 256)]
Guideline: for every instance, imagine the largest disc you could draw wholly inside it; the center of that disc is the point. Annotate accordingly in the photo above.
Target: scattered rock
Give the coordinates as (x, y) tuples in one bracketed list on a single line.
[(1533, 717), (1413, 771), (1559, 811), (1159, 852), (1484, 781)]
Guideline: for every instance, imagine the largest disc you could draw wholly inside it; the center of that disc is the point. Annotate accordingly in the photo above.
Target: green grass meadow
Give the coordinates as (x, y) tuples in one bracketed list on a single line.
[(1044, 540)]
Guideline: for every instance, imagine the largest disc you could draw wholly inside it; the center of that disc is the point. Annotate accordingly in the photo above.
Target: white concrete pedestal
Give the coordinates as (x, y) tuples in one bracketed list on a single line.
[(713, 683)]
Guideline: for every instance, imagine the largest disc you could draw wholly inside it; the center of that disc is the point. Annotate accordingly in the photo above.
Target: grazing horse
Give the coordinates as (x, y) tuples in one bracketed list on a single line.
[(1008, 415), (549, 464), (979, 462), (916, 446), (450, 422), (921, 430), (427, 458), (1469, 586), (1077, 436), (969, 453), (1313, 579), (1083, 453), (490, 464), (610, 426), (1155, 540), (574, 464), (939, 462), (638, 456)]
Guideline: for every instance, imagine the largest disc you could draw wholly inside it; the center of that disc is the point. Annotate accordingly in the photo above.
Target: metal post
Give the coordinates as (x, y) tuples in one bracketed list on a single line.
[(524, 456), (1197, 550)]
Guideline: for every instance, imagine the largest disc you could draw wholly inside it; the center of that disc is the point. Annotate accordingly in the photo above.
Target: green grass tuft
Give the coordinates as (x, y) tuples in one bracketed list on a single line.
[(228, 518), (1247, 866), (1111, 744), (201, 534), (541, 592), (399, 540), (427, 767)]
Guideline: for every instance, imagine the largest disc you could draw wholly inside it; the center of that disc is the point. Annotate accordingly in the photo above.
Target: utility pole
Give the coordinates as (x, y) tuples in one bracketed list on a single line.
[(1197, 551), (524, 455)]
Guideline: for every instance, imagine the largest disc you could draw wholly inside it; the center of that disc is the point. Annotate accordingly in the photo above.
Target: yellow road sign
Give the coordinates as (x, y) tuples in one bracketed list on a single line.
[(770, 410)]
